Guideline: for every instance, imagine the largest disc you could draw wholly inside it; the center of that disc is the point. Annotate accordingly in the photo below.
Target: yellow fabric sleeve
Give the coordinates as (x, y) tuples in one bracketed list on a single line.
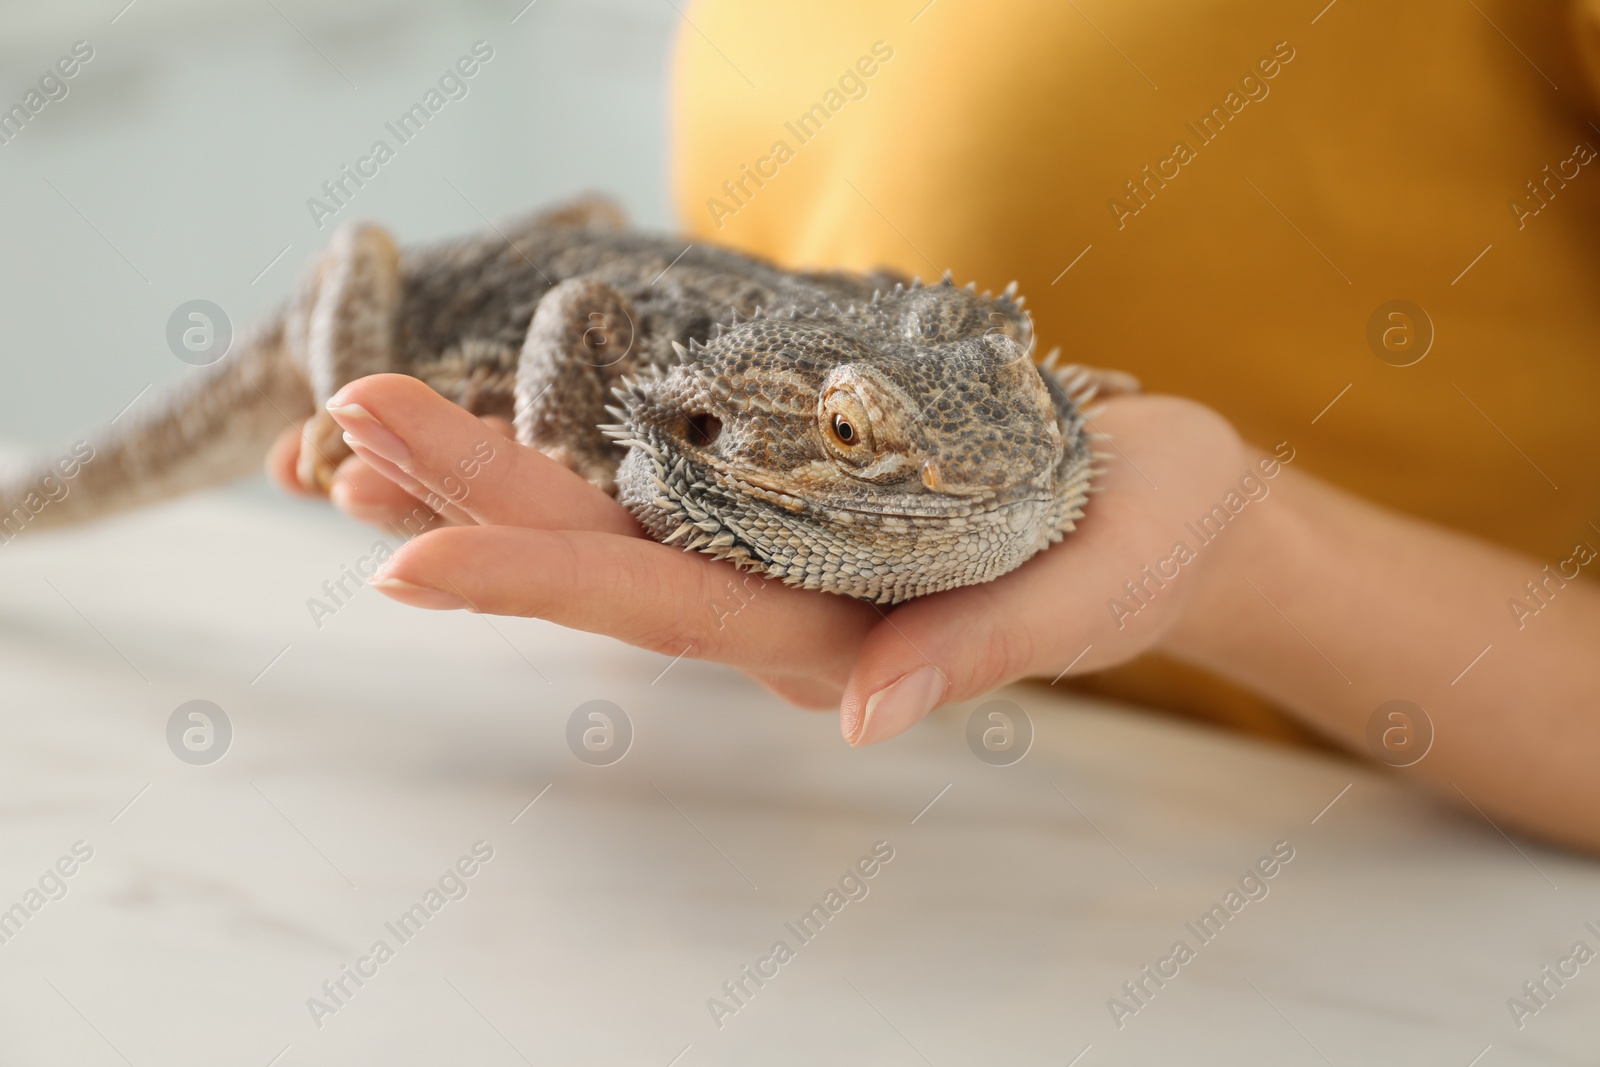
[(1224, 197)]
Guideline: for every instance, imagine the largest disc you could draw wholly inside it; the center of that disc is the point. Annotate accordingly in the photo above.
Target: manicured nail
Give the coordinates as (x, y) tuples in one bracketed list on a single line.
[(418, 596), (900, 706), (369, 433)]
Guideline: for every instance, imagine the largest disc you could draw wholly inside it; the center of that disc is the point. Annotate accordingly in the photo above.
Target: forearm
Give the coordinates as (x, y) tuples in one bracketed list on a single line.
[(1332, 606)]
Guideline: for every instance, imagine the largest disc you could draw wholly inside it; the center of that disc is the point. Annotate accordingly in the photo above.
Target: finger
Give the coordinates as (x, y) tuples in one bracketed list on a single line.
[(282, 459), (367, 495), (1043, 619), (945, 648), (422, 498), (636, 590), (813, 694), (450, 451)]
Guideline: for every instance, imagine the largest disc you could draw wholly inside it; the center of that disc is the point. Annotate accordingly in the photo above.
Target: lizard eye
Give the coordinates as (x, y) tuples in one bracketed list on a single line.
[(846, 428)]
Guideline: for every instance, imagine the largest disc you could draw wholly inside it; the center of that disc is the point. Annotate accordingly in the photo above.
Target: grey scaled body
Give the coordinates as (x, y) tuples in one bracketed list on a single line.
[(851, 433)]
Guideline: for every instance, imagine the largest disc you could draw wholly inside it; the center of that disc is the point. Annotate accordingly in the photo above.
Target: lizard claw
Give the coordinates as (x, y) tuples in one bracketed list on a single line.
[(322, 449)]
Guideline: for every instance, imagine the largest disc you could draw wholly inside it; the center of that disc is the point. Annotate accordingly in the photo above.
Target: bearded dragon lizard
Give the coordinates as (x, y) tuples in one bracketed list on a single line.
[(855, 433)]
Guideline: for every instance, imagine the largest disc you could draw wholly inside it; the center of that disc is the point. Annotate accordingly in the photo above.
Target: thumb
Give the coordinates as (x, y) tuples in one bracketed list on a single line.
[(1046, 617), (947, 648)]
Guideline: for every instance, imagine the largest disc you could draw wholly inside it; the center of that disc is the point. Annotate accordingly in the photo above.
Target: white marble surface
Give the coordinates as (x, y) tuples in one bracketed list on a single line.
[(378, 749)]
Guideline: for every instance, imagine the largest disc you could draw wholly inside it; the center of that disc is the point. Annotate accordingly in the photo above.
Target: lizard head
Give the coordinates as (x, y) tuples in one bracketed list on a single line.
[(884, 451)]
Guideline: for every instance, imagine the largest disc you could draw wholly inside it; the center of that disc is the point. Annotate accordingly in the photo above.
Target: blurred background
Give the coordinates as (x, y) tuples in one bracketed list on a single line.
[(179, 164)]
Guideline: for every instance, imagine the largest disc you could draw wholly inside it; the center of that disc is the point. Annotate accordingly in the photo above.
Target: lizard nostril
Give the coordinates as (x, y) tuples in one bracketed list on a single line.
[(702, 429)]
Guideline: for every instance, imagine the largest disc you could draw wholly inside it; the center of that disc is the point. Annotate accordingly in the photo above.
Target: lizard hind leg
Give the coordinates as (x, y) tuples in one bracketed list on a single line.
[(350, 332), (583, 339)]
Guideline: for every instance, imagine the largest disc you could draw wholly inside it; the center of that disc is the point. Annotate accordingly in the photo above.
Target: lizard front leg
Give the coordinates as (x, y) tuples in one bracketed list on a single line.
[(579, 344), (350, 333)]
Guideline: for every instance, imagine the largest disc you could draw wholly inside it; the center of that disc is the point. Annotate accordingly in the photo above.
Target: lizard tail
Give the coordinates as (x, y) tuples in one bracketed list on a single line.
[(215, 427)]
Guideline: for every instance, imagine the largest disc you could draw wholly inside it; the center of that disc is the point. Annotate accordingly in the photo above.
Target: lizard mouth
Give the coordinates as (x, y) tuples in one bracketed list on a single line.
[(913, 501), (910, 505)]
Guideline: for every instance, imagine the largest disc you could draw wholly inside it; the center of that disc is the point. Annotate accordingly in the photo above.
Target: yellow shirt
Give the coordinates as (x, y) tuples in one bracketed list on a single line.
[(1225, 198)]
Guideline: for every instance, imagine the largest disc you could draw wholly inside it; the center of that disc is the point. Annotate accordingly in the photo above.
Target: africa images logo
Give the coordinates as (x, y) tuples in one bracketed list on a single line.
[(853, 885), (343, 186)]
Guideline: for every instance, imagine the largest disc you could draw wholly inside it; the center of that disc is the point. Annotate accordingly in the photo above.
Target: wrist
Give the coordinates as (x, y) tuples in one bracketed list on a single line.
[(1252, 534)]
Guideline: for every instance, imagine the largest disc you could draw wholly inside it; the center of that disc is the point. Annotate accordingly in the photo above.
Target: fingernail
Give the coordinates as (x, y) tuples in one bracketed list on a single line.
[(418, 596), (900, 706), (366, 431)]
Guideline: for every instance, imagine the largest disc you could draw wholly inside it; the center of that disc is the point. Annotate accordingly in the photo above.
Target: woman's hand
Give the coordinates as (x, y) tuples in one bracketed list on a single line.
[(511, 532), (521, 535), (1168, 462)]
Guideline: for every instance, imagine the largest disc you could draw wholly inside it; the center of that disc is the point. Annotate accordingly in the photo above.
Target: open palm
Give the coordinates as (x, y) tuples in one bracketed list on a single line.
[(513, 533)]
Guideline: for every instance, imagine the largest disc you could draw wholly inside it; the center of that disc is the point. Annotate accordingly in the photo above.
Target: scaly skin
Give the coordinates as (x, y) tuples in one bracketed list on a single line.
[(885, 451), (848, 433)]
